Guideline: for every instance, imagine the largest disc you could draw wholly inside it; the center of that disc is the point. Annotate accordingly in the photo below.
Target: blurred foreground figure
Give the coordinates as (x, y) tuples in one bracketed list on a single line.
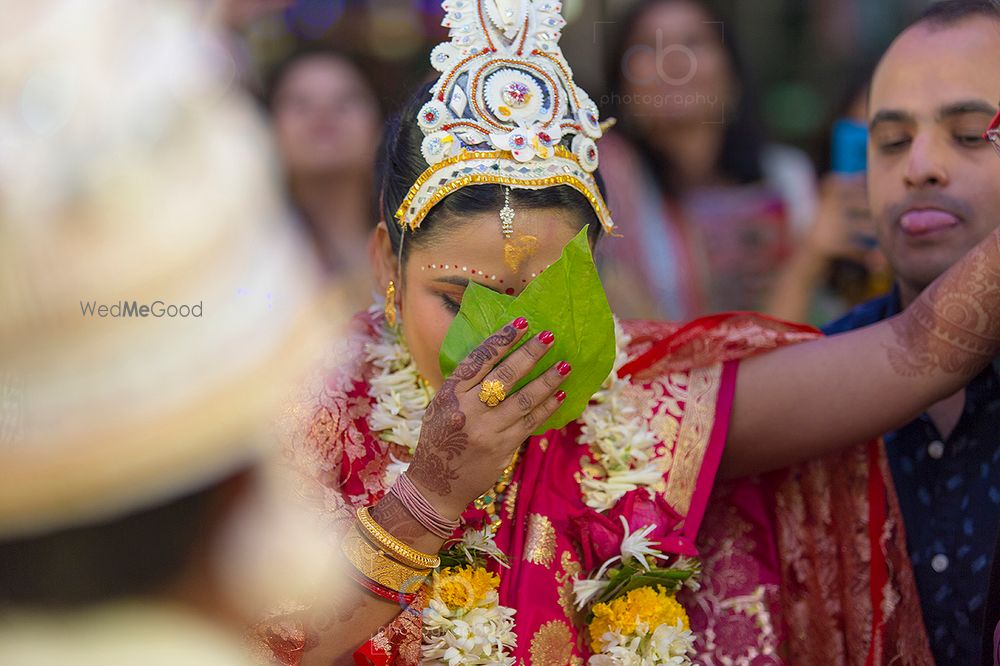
[(153, 301)]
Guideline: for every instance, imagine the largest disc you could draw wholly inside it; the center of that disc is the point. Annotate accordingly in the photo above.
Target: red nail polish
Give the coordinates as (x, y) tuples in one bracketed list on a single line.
[(560, 395), (520, 323), (547, 337), (563, 368)]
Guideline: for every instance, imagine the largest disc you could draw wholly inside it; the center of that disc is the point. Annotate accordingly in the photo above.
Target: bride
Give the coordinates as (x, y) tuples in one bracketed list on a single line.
[(714, 504)]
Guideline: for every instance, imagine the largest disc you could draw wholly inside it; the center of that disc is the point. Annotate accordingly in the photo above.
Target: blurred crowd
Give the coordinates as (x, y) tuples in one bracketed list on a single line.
[(714, 215)]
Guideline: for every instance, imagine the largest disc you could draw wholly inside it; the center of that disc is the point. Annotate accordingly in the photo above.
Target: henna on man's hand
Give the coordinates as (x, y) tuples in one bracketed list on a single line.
[(955, 324)]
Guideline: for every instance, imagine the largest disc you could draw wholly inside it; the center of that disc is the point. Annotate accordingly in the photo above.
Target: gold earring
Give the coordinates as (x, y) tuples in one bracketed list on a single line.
[(390, 304)]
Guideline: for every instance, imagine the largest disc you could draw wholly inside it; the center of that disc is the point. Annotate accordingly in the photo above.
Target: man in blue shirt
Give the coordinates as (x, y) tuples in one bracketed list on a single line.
[(991, 625), (934, 189)]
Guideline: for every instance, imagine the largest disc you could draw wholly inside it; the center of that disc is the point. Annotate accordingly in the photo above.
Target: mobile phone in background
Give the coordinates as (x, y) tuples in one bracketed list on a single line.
[(852, 279), (849, 149), (849, 157)]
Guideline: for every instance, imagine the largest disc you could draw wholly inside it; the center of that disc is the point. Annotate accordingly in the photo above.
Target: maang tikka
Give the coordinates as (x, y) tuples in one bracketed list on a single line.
[(507, 215)]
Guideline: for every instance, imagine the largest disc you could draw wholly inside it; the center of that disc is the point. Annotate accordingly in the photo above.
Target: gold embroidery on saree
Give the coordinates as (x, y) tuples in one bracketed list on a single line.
[(552, 645), (570, 568), (540, 545), (730, 615), (695, 432), (666, 427)]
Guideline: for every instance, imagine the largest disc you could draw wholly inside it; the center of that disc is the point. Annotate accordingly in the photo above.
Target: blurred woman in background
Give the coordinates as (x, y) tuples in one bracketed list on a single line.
[(327, 123), (709, 210)]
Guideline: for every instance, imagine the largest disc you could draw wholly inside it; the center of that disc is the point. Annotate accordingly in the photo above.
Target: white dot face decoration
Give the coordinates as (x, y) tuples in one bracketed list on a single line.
[(505, 109)]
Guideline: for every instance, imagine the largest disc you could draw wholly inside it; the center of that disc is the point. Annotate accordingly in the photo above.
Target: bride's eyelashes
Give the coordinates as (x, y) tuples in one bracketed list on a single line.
[(450, 303)]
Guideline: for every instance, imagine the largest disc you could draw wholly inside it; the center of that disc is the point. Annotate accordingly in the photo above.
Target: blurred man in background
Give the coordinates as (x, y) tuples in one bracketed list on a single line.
[(991, 624), (154, 303), (932, 184)]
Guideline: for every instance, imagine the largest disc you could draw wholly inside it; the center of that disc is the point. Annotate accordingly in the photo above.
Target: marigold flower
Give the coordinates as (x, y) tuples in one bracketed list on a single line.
[(646, 606), (463, 587)]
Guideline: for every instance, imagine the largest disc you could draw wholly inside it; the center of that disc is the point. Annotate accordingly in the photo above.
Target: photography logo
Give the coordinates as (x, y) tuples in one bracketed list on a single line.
[(660, 74)]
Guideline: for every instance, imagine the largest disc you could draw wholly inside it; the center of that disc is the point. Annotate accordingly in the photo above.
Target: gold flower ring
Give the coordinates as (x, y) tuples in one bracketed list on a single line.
[(491, 393)]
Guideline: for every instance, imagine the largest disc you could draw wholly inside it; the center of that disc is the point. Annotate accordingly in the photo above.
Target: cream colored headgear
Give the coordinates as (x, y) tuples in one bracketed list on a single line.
[(133, 181), (505, 109)]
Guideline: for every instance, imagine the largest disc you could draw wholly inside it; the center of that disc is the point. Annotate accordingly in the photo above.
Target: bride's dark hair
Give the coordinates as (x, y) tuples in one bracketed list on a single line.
[(400, 163)]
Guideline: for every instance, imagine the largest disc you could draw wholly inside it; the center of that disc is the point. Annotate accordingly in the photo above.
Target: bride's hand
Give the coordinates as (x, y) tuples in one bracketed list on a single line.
[(465, 444)]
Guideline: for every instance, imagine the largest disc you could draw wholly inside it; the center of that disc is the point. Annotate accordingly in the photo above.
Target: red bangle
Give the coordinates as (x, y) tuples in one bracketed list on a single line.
[(381, 590)]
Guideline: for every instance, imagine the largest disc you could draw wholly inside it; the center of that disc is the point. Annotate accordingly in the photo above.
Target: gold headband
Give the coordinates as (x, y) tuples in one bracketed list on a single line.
[(500, 168)]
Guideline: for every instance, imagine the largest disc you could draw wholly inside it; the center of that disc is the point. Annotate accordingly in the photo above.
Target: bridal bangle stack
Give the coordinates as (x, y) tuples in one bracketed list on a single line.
[(383, 560)]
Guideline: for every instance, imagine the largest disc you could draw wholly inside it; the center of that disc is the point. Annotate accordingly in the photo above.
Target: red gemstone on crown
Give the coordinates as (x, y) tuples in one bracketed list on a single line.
[(546, 139)]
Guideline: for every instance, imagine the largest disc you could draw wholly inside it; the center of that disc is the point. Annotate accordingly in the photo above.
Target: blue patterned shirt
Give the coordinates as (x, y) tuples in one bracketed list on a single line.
[(949, 493)]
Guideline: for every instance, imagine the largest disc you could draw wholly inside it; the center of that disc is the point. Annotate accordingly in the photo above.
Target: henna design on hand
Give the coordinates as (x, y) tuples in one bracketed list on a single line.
[(441, 439), (955, 324), (395, 519), (485, 353), (320, 618), (442, 436), (323, 617)]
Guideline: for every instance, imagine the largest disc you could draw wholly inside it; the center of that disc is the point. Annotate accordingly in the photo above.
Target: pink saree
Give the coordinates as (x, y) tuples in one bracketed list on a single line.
[(804, 566)]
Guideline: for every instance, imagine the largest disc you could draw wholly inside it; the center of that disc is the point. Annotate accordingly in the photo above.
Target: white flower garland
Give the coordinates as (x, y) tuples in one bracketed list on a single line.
[(481, 634), (401, 396), (665, 645), (620, 440)]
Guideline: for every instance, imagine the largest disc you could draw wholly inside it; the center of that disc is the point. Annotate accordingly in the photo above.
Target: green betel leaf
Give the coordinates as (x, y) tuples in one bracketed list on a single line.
[(567, 298), (476, 320)]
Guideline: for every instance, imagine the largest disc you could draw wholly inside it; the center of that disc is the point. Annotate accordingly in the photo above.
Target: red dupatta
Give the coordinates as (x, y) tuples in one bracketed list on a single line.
[(832, 541)]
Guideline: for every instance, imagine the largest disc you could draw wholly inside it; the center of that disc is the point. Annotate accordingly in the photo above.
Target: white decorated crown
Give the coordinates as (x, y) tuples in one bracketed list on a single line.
[(505, 109)]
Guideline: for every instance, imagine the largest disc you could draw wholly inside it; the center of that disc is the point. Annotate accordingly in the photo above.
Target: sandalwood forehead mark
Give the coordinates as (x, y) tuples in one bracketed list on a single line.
[(518, 250)]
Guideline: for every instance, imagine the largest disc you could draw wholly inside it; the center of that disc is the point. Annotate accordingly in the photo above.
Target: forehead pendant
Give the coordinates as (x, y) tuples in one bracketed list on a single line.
[(507, 215)]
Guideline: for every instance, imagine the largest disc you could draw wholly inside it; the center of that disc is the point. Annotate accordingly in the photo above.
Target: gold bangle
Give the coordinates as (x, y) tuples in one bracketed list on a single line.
[(393, 546), (373, 564)]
